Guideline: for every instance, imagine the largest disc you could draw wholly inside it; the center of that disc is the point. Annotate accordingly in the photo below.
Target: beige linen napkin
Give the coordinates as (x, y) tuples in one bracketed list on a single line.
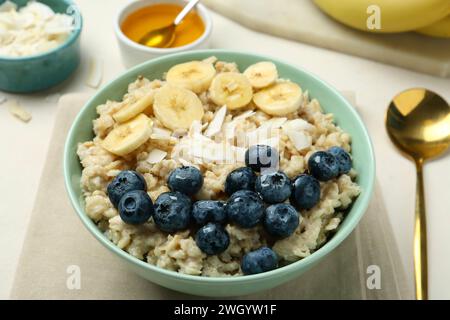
[(57, 240), (302, 21)]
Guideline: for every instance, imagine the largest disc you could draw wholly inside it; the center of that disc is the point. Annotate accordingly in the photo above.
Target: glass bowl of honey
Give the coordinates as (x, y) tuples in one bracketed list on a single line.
[(137, 18)]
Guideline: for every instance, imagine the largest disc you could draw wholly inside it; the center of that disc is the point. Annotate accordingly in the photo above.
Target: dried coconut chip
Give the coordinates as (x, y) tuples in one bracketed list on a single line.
[(210, 60), (95, 74), (230, 127), (299, 139), (276, 123), (156, 156), (244, 115), (215, 126), (297, 125), (16, 110), (8, 6), (32, 29), (196, 128), (265, 131), (53, 97)]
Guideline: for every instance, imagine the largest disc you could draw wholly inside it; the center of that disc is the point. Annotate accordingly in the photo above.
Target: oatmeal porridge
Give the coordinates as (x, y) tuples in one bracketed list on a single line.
[(211, 171)]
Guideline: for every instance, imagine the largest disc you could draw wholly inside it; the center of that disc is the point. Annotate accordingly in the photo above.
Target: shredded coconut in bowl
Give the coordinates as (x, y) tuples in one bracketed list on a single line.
[(215, 143), (32, 29)]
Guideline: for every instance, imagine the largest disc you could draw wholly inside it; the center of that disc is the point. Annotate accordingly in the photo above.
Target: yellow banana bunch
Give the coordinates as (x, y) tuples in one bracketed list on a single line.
[(439, 29), (393, 15)]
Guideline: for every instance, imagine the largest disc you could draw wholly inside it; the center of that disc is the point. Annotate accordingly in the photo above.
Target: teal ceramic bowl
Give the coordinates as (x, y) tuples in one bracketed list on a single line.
[(331, 101), (43, 71)]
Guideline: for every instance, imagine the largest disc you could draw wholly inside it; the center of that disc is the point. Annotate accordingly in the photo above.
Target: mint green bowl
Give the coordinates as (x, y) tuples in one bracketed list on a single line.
[(48, 69), (330, 100)]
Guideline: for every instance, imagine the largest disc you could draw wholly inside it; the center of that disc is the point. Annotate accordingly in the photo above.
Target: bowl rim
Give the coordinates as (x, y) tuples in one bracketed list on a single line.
[(291, 268), (205, 16), (74, 35)]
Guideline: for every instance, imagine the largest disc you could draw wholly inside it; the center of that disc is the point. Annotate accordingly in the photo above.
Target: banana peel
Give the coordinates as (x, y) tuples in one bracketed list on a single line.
[(394, 16), (440, 29)]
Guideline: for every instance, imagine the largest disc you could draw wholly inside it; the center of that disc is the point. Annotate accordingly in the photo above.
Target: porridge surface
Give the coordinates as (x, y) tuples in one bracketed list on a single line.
[(167, 149)]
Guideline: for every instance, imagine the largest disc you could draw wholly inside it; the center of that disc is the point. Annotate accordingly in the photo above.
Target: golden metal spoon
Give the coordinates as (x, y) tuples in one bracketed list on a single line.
[(418, 122), (164, 37)]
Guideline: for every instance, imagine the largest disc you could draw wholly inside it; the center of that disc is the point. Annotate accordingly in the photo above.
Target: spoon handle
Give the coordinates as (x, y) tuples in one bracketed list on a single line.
[(420, 238), (185, 11)]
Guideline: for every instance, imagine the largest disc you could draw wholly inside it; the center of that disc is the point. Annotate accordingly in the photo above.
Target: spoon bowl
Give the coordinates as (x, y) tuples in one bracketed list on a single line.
[(159, 38), (165, 36), (418, 122)]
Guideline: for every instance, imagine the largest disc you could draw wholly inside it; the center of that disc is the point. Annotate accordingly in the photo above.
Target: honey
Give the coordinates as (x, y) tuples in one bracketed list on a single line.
[(153, 17)]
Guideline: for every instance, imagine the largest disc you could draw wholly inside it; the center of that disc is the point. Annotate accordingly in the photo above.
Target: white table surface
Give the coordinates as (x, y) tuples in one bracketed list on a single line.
[(24, 146)]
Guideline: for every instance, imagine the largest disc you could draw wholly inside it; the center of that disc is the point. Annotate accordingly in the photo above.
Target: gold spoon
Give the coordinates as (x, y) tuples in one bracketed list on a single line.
[(164, 37), (418, 122)]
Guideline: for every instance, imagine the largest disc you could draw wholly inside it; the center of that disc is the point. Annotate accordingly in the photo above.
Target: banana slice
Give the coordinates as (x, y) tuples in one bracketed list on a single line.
[(195, 75), (261, 74), (280, 99), (130, 111), (231, 89), (176, 107), (128, 136)]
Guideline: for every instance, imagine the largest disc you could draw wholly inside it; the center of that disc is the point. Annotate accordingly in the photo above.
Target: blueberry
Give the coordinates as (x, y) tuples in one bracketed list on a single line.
[(281, 220), (343, 158), (187, 180), (323, 166), (136, 207), (261, 260), (305, 192), (261, 156), (204, 211), (212, 238), (245, 208), (172, 211), (240, 179), (124, 182), (274, 187)]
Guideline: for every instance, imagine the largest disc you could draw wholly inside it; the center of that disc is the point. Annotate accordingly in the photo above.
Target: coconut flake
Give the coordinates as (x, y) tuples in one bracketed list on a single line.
[(32, 29), (230, 127), (298, 125), (156, 155), (265, 131), (275, 123), (39, 10), (20, 113), (300, 139), (200, 149), (210, 60), (244, 115), (215, 126), (95, 74), (60, 24), (53, 98), (195, 129), (161, 134), (8, 6)]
